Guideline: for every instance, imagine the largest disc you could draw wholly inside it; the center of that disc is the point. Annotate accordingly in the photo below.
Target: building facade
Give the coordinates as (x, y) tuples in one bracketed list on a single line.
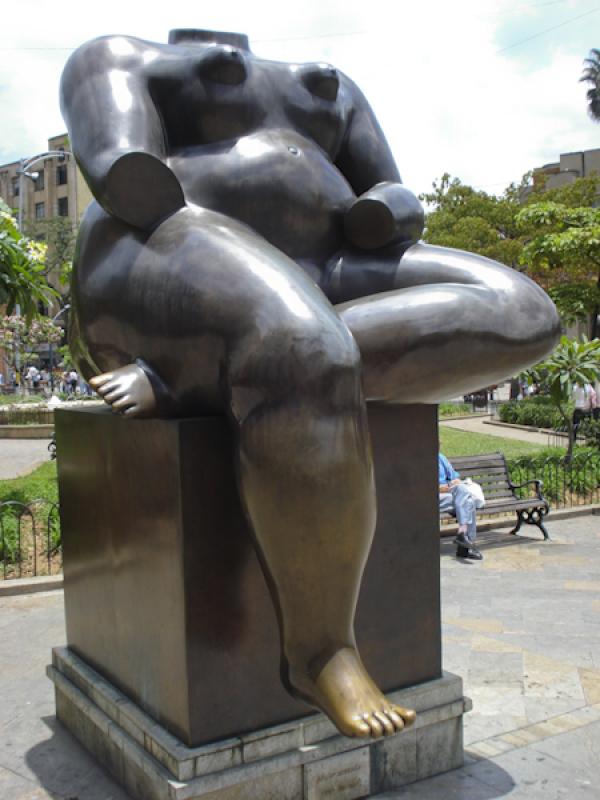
[(51, 189), (569, 167), (58, 189)]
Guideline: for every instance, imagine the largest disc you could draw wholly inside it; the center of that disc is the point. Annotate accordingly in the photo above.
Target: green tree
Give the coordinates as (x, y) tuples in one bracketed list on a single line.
[(473, 220), (562, 251), (23, 278), (19, 335), (572, 362), (551, 234), (591, 75), (59, 235)]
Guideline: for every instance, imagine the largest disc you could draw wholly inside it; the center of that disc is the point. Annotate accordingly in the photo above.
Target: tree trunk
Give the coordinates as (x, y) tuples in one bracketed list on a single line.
[(571, 432)]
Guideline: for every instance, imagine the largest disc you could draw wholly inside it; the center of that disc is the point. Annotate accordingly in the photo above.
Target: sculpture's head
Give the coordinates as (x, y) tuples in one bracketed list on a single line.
[(199, 36)]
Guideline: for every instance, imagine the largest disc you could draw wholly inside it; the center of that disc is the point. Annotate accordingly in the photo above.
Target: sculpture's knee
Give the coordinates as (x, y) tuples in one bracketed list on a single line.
[(315, 370)]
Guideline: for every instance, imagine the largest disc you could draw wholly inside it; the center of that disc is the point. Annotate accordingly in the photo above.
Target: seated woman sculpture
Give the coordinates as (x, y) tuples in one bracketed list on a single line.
[(251, 251)]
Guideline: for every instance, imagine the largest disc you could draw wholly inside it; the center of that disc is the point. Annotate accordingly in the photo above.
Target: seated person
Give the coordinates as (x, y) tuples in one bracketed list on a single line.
[(456, 499)]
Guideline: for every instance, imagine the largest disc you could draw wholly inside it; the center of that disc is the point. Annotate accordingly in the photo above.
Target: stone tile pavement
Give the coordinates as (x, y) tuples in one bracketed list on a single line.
[(522, 628)]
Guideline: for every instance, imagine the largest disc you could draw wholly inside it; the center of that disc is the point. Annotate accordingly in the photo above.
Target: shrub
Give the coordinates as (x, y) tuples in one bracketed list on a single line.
[(538, 412), (454, 409)]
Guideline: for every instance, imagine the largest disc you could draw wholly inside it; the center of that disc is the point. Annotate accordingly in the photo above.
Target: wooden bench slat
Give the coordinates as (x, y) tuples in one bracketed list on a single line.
[(470, 473), (478, 464)]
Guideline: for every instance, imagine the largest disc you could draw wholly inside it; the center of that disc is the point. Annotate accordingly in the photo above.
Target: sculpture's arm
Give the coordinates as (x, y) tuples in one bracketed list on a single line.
[(385, 211), (115, 130)]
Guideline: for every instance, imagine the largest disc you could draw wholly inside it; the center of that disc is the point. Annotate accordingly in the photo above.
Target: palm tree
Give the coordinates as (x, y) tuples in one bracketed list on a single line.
[(591, 75)]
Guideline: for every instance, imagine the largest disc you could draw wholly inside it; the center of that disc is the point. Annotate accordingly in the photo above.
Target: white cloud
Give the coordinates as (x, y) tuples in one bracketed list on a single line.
[(446, 99)]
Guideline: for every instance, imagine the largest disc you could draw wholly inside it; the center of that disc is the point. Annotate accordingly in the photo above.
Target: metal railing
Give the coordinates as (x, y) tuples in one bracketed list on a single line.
[(567, 483), (29, 538)]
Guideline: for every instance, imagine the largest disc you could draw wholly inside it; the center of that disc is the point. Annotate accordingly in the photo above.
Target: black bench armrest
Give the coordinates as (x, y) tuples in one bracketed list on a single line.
[(538, 490), (538, 486)]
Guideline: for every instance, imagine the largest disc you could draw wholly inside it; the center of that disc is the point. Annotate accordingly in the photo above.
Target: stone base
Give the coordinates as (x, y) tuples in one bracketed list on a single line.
[(164, 593), (300, 760)]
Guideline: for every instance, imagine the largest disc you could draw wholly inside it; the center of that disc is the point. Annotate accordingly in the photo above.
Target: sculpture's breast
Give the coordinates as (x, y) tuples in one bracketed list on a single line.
[(276, 181)]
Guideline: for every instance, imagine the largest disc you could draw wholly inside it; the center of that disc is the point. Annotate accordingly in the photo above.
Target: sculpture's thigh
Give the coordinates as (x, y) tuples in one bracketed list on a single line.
[(454, 322), (201, 299)]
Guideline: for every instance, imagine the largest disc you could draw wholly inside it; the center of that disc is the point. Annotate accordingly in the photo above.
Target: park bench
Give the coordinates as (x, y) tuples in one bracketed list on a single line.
[(491, 471)]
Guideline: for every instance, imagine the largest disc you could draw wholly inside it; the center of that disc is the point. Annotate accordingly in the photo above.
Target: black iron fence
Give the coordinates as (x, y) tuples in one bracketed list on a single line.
[(566, 482), (29, 539)]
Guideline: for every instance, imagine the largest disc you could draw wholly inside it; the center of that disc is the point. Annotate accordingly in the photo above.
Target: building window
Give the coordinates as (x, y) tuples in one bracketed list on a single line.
[(61, 175), (40, 210), (15, 187), (63, 206), (38, 183)]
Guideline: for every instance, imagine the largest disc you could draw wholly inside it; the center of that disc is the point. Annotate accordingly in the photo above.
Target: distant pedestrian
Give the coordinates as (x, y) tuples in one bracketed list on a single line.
[(584, 398), (73, 380)]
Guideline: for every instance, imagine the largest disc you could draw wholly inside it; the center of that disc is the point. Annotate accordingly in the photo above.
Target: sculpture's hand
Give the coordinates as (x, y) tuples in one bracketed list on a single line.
[(389, 213), (142, 190)]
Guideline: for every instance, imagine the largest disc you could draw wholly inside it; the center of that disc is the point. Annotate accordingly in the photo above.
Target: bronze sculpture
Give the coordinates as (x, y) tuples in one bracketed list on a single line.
[(253, 252)]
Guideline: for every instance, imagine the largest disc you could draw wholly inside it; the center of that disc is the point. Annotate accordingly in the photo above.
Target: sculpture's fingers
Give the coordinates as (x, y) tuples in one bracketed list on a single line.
[(109, 386), (124, 402), (99, 380), (114, 395)]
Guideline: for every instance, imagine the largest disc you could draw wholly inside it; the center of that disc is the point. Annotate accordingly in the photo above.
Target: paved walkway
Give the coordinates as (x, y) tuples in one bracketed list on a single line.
[(20, 456), (522, 628), (481, 425)]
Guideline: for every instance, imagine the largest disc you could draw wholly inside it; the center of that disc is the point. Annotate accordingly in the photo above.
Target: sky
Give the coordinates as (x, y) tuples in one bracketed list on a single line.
[(482, 89)]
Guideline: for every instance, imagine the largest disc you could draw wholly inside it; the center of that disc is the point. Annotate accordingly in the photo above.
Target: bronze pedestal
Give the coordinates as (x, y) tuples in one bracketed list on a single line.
[(164, 593)]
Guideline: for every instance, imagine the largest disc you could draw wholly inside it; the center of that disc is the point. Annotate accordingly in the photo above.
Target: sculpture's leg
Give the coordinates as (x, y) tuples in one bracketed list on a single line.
[(455, 322), (307, 483)]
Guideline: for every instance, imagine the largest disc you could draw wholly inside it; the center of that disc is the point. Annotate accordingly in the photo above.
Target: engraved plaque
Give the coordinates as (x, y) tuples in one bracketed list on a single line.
[(342, 777)]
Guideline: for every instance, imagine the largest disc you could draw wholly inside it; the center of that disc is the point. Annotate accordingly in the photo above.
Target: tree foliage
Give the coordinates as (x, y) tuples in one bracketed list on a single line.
[(19, 335), (572, 362), (473, 220), (551, 234), (59, 235), (562, 251), (23, 279)]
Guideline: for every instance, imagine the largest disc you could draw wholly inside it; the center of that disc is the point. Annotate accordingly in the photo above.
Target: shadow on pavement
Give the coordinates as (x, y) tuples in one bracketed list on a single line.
[(67, 771), (497, 540)]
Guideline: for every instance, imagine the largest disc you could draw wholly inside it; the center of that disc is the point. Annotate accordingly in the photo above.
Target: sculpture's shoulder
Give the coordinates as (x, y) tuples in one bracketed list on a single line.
[(111, 52)]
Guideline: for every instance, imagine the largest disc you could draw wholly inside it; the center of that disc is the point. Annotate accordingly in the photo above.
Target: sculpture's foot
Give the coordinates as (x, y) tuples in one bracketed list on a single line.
[(346, 693), (127, 390)]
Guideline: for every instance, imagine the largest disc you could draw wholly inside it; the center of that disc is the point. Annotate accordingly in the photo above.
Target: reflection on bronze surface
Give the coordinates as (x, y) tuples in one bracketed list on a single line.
[(251, 252)]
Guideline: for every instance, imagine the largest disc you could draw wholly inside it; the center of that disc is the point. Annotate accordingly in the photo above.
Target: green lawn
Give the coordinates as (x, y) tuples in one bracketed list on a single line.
[(461, 443), (41, 483)]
